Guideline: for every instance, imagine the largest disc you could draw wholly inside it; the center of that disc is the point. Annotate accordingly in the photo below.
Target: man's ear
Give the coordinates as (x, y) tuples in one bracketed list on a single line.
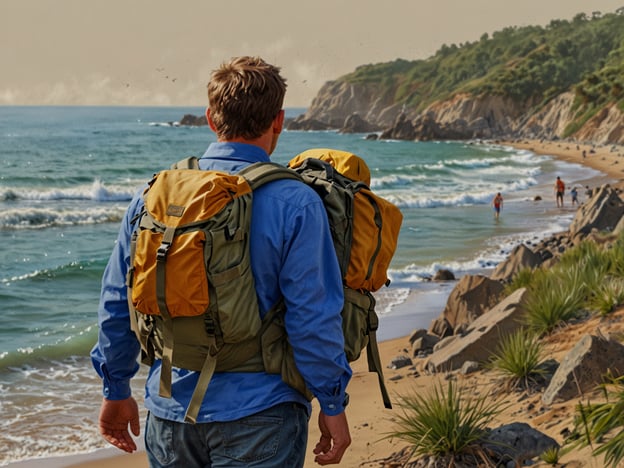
[(278, 122), (209, 119)]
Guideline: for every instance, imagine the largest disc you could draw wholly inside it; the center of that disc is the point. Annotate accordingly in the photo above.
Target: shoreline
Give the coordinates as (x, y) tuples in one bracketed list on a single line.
[(608, 159), (368, 420)]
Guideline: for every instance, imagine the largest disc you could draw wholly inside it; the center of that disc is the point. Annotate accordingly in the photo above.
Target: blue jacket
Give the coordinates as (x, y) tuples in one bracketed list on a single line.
[(292, 254)]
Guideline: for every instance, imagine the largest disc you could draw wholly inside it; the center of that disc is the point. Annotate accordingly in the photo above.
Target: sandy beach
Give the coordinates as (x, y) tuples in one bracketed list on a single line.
[(370, 422), (608, 159)]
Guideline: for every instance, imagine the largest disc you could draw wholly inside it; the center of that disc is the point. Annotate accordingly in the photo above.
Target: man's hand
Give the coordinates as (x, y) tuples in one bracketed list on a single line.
[(115, 415), (334, 440)]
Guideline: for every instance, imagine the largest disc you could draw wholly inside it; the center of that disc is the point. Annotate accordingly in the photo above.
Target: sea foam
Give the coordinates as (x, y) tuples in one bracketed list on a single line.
[(40, 218)]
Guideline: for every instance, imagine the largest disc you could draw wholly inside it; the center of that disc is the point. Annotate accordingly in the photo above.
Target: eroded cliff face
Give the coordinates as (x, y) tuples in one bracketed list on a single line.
[(551, 121), (463, 116), (607, 126), (336, 101)]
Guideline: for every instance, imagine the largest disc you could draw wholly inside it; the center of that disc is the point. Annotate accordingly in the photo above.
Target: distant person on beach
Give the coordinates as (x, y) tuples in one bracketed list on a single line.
[(588, 192), (559, 191), (574, 195), (250, 417), (497, 204)]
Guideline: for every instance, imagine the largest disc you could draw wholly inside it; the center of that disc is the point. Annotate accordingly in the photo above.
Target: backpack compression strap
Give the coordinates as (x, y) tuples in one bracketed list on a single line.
[(256, 175), (372, 349), (261, 173), (187, 163)]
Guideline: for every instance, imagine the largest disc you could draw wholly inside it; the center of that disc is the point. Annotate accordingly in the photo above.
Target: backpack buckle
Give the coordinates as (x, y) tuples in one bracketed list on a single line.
[(209, 325), (373, 321), (162, 251)]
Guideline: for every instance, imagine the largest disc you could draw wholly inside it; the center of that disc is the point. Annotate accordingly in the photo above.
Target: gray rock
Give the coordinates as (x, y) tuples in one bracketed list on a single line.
[(518, 442), (424, 344), (471, 297), (602, 211), (193, 120), (521, 257), (584, 368), (356, 124), (482, 336), (443, 275), (418, 333), (469, 367), (399, 362)]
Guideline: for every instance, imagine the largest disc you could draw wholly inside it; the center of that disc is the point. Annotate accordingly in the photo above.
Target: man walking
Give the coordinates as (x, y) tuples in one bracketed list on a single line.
[(246, 419)]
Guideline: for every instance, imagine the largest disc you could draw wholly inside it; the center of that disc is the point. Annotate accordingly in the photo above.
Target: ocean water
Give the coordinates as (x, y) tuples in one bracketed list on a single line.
[(67, 174)]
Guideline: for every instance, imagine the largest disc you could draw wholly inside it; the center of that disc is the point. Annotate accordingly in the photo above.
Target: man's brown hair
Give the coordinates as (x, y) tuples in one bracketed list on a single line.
[(245, 95)]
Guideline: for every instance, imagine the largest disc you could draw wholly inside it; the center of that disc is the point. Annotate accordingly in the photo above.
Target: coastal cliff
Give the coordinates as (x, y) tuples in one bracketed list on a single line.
[(462, 116), (562, 81)]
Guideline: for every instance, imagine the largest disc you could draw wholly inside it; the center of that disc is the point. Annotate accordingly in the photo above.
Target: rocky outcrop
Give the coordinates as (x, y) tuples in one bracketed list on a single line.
[(422, 342), (401, 129), (301, 123), (481, 337), (584, 367), (607, 126), (193, 120), (443, 275), (337, 100), (470, 298), (462, 116), (602, 212), (521, 257), (551, 121), (356, 124)]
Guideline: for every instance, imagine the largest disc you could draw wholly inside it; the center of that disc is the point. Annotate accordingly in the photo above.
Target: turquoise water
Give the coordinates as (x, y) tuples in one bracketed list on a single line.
[(67, 174)]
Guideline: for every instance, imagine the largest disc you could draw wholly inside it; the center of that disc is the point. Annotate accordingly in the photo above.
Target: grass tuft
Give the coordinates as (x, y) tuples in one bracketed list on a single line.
[(607, 296), (518, 358), (551, 455), (602, 424), (553, 300), (445, 421)]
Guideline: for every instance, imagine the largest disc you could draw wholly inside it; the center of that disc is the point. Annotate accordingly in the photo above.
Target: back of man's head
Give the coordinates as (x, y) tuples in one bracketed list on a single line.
[(245, 95)]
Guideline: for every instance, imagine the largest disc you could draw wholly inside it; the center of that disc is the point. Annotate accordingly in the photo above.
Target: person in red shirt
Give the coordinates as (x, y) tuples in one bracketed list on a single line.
[(497, 203), (559, 191)]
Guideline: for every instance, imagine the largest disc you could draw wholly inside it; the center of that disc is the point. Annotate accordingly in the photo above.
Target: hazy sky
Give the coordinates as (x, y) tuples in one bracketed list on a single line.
[(161, 52)]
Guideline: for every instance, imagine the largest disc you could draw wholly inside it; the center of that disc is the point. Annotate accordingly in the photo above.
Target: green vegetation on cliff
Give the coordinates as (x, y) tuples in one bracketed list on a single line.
[(530, 63)]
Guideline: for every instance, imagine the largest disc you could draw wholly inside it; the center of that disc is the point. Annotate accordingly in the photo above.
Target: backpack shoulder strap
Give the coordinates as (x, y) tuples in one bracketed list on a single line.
[(261, 173), (192, 162)]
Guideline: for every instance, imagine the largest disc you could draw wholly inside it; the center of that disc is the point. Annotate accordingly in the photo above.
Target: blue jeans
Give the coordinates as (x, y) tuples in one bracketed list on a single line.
[(276, 437)]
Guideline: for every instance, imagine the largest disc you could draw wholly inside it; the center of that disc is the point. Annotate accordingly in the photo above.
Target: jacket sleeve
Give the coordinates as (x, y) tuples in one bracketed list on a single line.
[(114, 356), (312, 287)]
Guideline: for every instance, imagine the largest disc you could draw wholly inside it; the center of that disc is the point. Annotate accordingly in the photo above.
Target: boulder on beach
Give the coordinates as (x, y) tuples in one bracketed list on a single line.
[(521, 257), (602, 212), (482, 336), (470, 298)]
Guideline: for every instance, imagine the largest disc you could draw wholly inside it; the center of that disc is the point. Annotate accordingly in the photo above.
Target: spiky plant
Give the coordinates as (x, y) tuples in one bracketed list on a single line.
[(607, 296), (586, 253), (444, 421), (551, 455), (518, 358), (615, 257), (601, 425), (523, 279), (554, 300)]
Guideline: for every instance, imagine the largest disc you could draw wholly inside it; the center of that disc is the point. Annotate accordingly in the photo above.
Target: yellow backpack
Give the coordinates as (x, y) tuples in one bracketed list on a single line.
[(365, 230), (190, 288)]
